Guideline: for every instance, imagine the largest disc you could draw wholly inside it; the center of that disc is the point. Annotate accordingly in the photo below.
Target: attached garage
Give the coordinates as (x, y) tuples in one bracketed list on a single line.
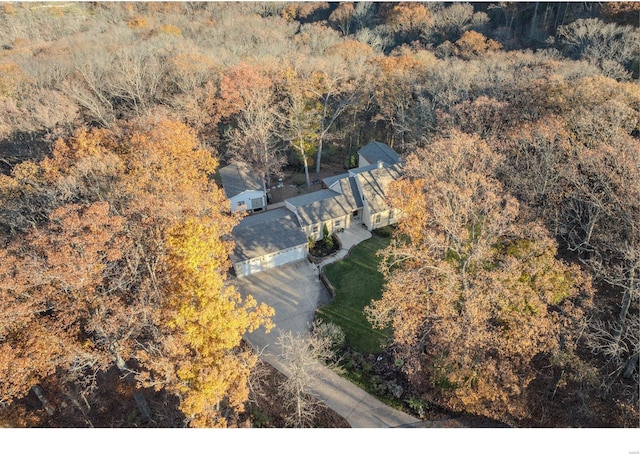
[(267, 240)]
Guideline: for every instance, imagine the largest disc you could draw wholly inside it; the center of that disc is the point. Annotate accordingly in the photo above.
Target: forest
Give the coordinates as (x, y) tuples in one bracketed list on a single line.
[(512, 281)]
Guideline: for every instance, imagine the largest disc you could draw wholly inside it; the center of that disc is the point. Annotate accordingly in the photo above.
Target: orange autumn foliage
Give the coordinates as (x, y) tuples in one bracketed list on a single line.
[(472, 294)]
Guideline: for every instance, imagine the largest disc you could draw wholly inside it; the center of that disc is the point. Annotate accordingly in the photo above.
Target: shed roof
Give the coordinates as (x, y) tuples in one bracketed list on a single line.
[(238, 179), (374, 184), (377, 151), (264, 233)]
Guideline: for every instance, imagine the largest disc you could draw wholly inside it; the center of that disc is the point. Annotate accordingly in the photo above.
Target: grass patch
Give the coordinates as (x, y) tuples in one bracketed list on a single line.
[(357, 281)]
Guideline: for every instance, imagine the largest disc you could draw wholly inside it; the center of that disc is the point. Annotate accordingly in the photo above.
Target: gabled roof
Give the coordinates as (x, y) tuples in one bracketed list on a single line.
[(374, 184), (377, 151), (237, 179), (349, 189), (357, 170), (325, 210), (307, 199), (264, 233), (330, 180), (326, 204)]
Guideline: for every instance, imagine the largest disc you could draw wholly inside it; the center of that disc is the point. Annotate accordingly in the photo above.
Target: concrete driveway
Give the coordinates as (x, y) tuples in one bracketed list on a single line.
[(295, 291)]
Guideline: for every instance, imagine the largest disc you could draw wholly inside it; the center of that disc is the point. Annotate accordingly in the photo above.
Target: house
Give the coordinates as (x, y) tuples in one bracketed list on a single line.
[(372, 186), (280, 236), (375, 152), (334, 208), (243, 189), (266, 240)]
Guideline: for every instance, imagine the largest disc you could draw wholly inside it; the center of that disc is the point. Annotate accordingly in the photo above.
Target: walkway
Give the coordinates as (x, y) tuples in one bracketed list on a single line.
[(348, 238)]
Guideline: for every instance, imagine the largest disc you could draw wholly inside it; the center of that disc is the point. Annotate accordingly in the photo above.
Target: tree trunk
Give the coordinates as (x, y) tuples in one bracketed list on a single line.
[(43, 400), (319, 155), (533, 29), (306, 163)]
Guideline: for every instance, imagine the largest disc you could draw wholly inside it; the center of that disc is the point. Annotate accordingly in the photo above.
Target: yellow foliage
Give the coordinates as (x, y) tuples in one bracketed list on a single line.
[(139, 22), (170, 30), (8, 8), (472, 43), (208, 319)]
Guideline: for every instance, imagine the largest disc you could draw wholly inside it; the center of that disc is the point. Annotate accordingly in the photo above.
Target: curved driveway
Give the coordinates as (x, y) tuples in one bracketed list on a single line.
[(295, 291)]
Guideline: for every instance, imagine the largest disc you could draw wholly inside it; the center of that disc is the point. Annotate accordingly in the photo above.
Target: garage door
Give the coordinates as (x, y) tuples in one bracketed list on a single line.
[(271, 261), (257, 203), (248, 267), (287, 257)]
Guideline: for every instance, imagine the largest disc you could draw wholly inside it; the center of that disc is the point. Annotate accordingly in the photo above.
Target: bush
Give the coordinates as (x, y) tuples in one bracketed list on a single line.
[(385, 232), (351, 162), (299, 179), (332, 333), (328, 241)]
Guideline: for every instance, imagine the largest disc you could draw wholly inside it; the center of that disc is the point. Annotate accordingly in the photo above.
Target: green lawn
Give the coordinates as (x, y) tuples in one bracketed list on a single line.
[(357, 281)]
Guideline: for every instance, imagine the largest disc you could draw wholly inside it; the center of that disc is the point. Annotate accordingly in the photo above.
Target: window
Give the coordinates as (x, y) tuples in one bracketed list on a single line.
[(241, 203), (316, 228), (391, 214), (377, 218), (337, 224)]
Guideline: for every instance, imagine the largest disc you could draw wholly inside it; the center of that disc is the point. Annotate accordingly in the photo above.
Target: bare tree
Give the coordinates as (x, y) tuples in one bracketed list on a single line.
[(302, 354), (254, 142), (611, 46)]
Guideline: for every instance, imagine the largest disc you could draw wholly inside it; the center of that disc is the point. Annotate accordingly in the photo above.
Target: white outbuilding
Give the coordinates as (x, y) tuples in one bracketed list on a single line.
[(243, 189)]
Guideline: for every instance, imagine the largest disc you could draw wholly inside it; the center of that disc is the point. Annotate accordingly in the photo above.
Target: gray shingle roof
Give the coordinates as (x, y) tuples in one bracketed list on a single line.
[(237, 179), (374, 184), (330, 180), (376, 151), (264, 233), (307, 199), (328, 204), (349, 189), (325, 210)]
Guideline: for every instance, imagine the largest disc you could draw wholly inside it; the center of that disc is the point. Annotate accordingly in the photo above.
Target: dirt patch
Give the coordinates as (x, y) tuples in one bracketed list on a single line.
[(267, 408), (114, 407), (292, 188)]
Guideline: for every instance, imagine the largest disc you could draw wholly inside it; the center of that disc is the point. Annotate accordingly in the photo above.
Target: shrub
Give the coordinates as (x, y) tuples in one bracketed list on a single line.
[(332, 333), (328, 241), (299, 179), (170, 30), (351, 162), (138, 22), (385, 232)]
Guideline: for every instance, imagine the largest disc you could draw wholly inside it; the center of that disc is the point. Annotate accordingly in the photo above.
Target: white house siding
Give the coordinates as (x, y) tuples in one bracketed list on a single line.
[(271, 260), (343, 222), (371, 220), (248, 201), (366, 216)]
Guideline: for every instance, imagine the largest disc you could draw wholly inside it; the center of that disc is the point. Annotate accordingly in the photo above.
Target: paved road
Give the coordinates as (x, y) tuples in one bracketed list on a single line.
[(295, 291)]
